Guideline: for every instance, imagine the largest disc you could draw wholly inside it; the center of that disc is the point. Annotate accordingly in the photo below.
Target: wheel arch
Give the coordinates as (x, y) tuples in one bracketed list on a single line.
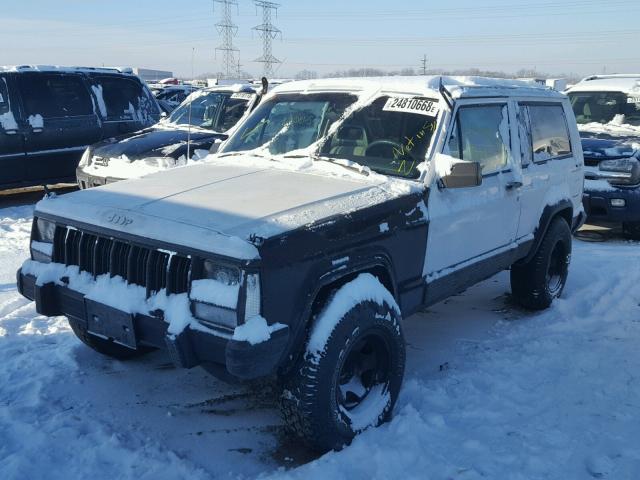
[(379, 266), (562, 209)]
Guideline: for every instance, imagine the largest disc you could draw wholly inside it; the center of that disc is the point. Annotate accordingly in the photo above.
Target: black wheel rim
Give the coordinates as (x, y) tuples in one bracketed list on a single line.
[(366, 365), (557, 269)]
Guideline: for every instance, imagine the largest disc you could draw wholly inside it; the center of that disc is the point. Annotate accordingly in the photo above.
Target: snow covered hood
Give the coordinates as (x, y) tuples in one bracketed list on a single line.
[(219, 207)]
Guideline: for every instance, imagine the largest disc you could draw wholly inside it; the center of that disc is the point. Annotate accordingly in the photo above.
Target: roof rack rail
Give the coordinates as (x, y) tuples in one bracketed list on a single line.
[(613, 75)]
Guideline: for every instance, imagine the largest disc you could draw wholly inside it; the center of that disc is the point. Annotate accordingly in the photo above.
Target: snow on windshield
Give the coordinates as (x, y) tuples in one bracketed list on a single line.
[(389, 134)]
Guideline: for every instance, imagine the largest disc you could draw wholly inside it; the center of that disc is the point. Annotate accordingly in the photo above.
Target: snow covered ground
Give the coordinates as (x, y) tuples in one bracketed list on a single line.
[(490, 391)]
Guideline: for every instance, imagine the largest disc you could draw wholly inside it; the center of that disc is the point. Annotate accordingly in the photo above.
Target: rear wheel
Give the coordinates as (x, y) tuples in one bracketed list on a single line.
[(106, 347), (351, 380), (536, 283), (631, 230)]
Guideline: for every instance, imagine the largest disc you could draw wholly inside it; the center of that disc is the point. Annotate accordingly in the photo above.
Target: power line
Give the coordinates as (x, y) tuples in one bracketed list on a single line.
[(267, 32), (228, 30)]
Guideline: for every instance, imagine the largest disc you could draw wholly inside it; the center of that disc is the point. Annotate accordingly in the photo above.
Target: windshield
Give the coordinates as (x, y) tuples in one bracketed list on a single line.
[(604, 107), (217, 111), (289, 122), (390, 135)]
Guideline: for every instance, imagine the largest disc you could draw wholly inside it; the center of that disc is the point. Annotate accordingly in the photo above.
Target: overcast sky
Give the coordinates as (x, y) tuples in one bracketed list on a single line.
[(572, 36)]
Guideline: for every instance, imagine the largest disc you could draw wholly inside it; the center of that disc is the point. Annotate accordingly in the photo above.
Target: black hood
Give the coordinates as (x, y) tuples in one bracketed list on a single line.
[(155, 142), (601, 146)]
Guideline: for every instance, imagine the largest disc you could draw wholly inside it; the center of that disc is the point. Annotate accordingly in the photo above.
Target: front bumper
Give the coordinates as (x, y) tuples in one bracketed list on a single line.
[(86, 180), (188, 349), (598, 206)]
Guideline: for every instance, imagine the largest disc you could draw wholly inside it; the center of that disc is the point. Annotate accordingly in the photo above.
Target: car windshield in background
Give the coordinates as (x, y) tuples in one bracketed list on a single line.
[(604, 107), (390, 136), (215, 111)]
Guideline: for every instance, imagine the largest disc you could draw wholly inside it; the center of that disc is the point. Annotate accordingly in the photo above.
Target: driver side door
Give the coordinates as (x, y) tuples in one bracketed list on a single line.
[(472, 223)]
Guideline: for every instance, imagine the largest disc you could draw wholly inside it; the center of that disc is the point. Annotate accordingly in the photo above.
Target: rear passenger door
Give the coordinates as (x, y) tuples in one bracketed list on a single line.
[(125, 104), (547, 158), (12, 152), (60, 121), (473, 222)]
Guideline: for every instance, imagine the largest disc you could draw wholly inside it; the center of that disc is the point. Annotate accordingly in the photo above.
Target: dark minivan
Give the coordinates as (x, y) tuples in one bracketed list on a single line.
[(49, 115)]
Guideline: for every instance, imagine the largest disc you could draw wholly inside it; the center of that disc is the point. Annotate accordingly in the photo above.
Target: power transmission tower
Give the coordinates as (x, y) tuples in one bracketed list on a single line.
[(424, 65), (228, 30), (267, 32)]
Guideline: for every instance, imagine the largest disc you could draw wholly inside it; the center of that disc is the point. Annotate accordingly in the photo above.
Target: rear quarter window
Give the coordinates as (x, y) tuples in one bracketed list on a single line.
[(549, 134), (124, 99)]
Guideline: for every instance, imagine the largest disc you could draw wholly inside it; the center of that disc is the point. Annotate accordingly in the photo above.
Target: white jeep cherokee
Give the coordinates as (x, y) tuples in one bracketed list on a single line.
[(337, 208)]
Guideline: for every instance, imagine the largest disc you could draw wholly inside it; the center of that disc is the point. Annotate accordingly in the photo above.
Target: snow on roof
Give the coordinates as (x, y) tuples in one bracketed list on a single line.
[(236, 87), (423, 85), (627, 83), (57, 68)]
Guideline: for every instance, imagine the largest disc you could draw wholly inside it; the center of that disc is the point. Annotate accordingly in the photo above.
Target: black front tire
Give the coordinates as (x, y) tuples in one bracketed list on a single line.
[(631, 230), (536, 283), (105, 347), (317, 403)]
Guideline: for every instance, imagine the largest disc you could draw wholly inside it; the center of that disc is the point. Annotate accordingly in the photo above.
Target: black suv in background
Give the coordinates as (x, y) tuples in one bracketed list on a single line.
[(49, 115)]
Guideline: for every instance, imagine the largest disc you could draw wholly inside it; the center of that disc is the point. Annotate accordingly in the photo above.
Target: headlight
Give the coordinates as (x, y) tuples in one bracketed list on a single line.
[(623, 171), (160, 162), (85, 161), (42, 240), (215, 297)]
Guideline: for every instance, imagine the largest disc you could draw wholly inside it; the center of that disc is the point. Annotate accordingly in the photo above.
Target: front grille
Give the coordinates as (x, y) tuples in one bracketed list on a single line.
[(138, 265)]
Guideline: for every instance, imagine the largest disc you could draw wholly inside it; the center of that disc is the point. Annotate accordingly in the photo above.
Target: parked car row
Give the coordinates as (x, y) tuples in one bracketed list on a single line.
[(333, 210), (187, 134), (607, 109)]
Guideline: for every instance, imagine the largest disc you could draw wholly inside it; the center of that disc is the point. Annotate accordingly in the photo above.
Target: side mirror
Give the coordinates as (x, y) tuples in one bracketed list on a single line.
[(215, 146), (463, 174)]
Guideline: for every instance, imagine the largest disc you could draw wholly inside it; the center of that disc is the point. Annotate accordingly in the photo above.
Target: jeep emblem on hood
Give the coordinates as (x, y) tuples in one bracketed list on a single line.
[(120, 220)]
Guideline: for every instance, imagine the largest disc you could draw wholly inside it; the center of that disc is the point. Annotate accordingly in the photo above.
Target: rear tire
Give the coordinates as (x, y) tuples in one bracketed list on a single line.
[(631, 230), (536, 283), (105, 347), (353, 381)]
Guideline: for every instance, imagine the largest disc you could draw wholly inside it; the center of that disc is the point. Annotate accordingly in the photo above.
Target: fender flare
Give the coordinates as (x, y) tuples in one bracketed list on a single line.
[(297, 340), (548, 214)]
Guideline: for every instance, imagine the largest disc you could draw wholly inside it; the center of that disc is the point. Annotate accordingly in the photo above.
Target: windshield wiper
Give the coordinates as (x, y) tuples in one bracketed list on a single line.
[(330, 160)]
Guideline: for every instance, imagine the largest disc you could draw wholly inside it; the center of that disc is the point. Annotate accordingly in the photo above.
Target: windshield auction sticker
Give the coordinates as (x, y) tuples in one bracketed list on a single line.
[(242, 96), (419, 105)]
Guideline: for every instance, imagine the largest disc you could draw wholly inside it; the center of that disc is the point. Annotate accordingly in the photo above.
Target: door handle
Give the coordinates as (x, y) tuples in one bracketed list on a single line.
[(512, 185)]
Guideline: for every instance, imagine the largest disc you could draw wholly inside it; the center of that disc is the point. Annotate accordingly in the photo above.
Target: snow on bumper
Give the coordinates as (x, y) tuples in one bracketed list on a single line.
[(189, 346)]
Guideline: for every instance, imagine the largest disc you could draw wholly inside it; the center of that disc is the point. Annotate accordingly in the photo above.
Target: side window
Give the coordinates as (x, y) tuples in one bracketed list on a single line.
[(524, 131), (7, 120), (481, 134), (232, 111), (55, 95), (123, 99), (549, 132), (4, 96)]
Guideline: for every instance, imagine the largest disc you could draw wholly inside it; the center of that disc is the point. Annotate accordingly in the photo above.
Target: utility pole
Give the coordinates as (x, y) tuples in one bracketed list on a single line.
[(267, 32), (424, 65), (228, 30)]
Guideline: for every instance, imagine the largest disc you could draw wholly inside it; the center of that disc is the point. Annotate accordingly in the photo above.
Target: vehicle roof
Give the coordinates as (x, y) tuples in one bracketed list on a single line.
[(236, 88), (424, 85), (57, 68), (627, 83)]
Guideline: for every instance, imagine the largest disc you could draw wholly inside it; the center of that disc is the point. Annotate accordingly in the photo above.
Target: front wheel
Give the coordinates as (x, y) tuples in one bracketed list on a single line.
[(536, 283), (350, 375)]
